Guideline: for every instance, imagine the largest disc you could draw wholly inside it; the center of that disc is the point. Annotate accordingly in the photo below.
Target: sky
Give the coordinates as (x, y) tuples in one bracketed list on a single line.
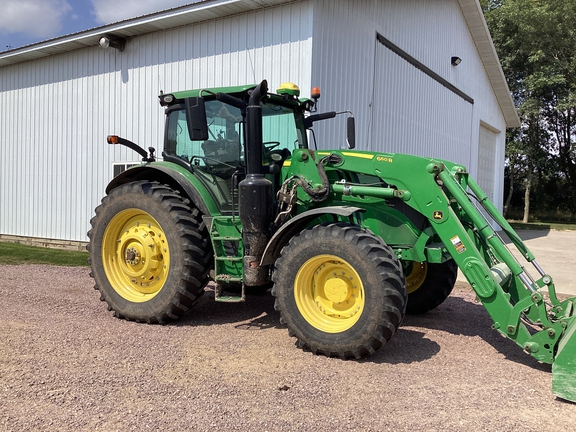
[(24, 22)]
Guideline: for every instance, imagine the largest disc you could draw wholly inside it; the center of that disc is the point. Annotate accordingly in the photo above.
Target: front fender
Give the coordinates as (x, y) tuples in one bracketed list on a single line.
[(173, 175), (297, 224)]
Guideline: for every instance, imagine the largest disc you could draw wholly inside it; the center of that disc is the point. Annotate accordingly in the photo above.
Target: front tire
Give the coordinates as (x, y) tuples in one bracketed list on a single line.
[(340, 290), (149, 252), (428, 284)]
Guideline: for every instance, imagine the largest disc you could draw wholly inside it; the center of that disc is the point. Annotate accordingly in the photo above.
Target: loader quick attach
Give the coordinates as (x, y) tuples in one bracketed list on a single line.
[(349, 241)]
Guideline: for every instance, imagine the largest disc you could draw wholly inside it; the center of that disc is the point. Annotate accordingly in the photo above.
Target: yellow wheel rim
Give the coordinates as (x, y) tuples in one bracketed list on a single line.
[(415, 273), (135, 255), (329, 293)]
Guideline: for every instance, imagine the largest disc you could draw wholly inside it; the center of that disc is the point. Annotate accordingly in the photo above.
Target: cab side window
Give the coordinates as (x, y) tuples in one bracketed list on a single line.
[(216, 159)]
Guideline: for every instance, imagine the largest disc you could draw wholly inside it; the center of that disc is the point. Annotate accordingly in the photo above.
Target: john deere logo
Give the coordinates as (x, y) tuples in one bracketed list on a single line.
[(438, 215)]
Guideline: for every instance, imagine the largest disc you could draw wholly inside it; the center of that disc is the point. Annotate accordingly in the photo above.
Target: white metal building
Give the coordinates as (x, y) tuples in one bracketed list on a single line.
[(388, 61)]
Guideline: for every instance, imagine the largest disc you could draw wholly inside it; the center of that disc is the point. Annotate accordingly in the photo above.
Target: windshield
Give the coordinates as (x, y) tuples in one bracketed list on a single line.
[(280, 128), (221, 156), (226, 136)]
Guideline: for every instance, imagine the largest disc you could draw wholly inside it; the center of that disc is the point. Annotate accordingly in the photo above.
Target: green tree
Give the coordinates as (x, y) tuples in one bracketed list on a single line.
[(536, 44), (528, 161)]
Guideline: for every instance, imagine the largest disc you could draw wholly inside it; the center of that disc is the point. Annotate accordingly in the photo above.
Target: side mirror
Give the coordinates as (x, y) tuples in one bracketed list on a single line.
[(196, 118), (351, 132)]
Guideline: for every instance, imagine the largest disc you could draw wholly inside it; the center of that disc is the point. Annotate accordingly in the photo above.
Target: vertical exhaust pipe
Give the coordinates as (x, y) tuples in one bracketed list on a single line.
[(255, 195)]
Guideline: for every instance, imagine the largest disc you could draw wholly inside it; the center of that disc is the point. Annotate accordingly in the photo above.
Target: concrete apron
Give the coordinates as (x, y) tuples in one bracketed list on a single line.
[(555, 252)]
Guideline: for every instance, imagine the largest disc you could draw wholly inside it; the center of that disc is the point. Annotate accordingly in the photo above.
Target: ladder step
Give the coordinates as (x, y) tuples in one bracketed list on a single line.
[(227, 279), (226, 238), (230, 299), (228, 258), (219, 295)]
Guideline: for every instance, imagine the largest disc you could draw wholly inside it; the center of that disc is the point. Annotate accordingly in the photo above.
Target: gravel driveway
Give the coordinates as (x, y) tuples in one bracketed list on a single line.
[(66, 365)]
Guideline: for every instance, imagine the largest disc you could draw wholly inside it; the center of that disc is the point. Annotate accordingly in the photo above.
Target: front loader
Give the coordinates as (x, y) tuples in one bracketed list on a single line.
[(349, 241)]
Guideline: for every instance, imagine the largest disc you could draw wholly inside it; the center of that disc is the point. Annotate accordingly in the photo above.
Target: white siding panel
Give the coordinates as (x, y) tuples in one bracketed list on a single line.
[(415, 114), (347, 65), (57, 111)]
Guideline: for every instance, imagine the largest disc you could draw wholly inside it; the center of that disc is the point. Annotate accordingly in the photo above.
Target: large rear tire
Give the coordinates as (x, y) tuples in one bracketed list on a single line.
[(428, 284), (149, 252), (340, 290)]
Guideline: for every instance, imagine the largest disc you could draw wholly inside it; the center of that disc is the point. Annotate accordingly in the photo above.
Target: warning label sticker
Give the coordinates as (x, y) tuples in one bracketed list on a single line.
[(458, 244)]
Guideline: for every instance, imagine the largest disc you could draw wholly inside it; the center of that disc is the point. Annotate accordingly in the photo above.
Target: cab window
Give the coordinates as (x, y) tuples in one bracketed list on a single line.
[(279, 130), (222, 153)]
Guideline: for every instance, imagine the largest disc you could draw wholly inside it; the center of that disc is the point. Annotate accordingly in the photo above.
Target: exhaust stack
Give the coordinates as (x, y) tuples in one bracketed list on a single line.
[(255, 195)]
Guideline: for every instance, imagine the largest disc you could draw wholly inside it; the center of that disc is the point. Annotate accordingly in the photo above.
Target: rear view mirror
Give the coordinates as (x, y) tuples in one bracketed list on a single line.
[(351, 132), (196, 118)]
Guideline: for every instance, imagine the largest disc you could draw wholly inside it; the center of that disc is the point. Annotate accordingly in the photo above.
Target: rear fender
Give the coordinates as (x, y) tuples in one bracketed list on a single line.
[(297, 224), (174, 176)]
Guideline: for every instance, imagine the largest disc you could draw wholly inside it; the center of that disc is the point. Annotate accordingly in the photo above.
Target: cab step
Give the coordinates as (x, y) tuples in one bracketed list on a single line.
[(222, 297)]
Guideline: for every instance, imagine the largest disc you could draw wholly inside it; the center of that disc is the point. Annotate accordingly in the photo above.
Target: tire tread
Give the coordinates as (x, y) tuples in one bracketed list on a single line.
[(193, 243), (384, 263)]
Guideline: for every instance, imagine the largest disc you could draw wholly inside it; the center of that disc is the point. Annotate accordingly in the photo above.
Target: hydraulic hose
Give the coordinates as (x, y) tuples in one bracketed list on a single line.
[(319, 193)]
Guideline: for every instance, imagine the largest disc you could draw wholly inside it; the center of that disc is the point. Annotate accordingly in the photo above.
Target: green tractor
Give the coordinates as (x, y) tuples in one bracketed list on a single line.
[(349, 241)]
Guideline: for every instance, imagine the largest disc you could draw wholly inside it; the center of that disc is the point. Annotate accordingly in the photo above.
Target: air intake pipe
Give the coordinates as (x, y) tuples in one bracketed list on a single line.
[(256, 210)]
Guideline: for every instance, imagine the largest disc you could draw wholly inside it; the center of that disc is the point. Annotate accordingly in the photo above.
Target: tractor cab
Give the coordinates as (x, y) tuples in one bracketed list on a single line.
[(206, 132)]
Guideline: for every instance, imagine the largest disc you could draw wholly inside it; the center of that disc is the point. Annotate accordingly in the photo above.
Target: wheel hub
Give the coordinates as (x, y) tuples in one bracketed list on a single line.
[(329, 293), (137, 255), (132, 256), (336, 290), (142, 255)]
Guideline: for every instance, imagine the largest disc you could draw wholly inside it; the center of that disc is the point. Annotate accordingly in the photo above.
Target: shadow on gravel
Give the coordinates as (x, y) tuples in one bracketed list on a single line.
[(406, 346), (257, 313), (458, 316)]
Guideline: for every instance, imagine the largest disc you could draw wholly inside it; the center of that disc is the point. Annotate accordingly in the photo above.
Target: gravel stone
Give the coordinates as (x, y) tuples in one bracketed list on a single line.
[(67, 364)]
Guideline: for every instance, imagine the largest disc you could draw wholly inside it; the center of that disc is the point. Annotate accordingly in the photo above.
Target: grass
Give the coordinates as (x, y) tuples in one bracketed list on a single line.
[(15, 253), (560, 226)]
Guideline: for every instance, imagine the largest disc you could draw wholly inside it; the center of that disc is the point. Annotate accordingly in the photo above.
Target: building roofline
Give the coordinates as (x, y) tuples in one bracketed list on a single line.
[(481, 35), (206, 10)]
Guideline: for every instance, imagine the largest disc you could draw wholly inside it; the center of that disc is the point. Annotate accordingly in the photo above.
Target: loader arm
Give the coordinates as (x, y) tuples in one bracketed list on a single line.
[(449, 199)]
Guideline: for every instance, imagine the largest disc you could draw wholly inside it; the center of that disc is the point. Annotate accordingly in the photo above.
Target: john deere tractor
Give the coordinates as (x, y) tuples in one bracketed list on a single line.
[(349, 241)]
